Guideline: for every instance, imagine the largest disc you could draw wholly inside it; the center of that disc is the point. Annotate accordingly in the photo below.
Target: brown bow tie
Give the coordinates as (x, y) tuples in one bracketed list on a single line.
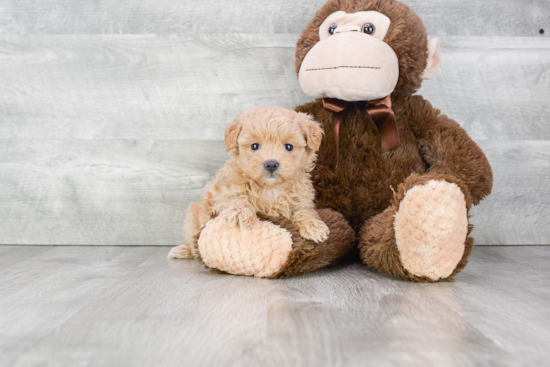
[(379, 110)]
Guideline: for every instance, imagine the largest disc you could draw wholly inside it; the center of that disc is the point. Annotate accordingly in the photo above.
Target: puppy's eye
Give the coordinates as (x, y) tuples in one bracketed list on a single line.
[(289, 147), (255, 146), (368, 28), (332, 28)]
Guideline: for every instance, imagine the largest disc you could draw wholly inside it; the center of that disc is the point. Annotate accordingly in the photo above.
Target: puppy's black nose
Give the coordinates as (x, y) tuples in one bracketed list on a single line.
[(271, 166)]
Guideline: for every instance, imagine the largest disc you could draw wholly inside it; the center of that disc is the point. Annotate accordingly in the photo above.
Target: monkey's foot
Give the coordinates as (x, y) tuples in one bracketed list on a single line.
[(431, 227), (260, 250)]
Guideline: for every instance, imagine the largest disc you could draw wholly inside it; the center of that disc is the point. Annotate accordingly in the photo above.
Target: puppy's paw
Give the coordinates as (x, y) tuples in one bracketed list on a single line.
[(314, 229), (244, 217), (180, 252)]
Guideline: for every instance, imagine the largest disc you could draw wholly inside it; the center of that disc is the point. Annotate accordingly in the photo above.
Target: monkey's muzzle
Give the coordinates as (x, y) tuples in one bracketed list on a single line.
[(350, 66)]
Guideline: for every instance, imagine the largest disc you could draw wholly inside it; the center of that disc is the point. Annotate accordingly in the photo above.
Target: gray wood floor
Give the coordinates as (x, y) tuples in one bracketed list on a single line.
[(130, 306)]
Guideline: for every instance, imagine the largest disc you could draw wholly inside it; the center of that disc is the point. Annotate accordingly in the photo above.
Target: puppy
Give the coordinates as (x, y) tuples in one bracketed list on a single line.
[(272, 151)]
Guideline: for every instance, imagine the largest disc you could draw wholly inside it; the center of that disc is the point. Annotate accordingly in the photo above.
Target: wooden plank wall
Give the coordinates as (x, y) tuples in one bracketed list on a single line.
[(112, 113)]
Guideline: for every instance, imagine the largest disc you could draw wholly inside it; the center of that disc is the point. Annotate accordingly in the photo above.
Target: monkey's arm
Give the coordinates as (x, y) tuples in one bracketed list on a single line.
[(447, 149)]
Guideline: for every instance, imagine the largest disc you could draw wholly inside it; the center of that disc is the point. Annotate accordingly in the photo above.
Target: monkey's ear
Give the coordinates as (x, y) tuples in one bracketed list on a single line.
[(232, 134), (312, 130), (434, 59)]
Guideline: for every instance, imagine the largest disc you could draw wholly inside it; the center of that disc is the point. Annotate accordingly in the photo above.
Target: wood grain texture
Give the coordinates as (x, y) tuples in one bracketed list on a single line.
[(518, 210), (135, 192), (131, 306), (135, 87), (191, 87), (442, 17), (37, 298), (106, 139), (104, 192)]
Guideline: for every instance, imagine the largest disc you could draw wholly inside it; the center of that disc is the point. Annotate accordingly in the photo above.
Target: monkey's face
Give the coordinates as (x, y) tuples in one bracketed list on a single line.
[(351, 61), (363, 50)]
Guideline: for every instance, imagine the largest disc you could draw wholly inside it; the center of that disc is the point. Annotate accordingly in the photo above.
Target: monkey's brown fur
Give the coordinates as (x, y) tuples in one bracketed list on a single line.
[(366, 191), (432, 147), (377, 237), (307, 255)]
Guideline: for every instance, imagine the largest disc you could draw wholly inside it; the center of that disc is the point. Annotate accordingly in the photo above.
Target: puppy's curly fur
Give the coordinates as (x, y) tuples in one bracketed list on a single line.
[(244, 188)]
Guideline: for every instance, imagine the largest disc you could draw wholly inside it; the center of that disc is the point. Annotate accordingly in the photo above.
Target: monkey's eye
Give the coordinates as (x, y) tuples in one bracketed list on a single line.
[(289, 147), (255, 146), (368, 28), (332, 28)]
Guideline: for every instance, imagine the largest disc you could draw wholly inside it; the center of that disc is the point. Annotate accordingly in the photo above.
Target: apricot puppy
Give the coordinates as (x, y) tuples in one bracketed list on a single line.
[(272, 151)]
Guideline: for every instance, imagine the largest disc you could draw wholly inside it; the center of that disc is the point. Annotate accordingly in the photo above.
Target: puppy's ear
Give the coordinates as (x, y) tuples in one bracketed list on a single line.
[(312, 130), (232, 134)]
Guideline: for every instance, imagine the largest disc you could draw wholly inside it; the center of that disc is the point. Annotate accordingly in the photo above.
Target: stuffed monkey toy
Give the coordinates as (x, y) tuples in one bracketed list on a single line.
[(395, 178)]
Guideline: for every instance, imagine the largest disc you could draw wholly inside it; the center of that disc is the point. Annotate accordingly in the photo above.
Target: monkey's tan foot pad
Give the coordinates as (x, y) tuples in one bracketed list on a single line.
[(431, 227), (261, 250)]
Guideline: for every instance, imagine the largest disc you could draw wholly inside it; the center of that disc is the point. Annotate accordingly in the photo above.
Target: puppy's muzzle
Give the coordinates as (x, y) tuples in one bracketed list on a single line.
[(271, 165)]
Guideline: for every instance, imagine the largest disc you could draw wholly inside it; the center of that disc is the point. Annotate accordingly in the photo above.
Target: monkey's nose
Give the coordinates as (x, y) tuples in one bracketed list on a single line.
[(271, 165)]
